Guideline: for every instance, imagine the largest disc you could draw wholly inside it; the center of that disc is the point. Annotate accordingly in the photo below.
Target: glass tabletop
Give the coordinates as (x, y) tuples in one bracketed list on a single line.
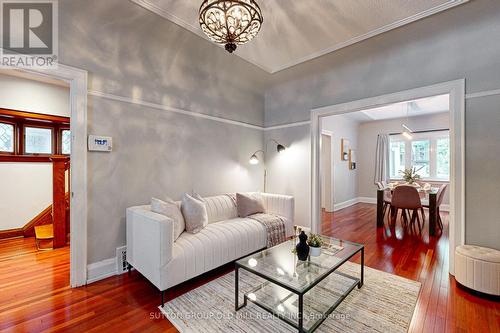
[(280, 264)]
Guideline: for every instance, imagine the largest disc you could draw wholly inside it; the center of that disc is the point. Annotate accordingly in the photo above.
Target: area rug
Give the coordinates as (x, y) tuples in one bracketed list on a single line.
[(385, 303)]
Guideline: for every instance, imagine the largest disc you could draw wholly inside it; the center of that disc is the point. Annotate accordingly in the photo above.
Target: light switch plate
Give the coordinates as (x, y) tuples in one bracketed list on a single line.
[(100, 143)]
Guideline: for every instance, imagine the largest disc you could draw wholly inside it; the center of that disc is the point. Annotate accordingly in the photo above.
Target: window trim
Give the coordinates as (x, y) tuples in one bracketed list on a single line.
[(432, 136), (22, 119)]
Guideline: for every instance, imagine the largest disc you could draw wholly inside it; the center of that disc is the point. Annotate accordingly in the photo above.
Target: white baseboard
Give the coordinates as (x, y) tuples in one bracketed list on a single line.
[(367, 200), (101, 270), (345, 204)]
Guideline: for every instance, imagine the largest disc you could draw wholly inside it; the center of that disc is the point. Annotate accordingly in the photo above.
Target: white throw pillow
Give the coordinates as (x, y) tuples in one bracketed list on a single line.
[(195, 213), (249, 204), (170, 209)]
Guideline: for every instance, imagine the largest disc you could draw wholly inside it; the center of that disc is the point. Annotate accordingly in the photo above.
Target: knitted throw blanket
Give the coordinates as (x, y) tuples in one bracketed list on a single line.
[(275, 226)]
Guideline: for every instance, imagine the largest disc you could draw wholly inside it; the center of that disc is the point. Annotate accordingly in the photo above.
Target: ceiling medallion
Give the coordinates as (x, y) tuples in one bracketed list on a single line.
[(230, 22)]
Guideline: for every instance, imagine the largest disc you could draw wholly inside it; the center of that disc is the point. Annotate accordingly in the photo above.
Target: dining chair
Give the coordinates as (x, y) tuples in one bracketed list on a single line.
[(407, 199), (387, 197), (439, 200)]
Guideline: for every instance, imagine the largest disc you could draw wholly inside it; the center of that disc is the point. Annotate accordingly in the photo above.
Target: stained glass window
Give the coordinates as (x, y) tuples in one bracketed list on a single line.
[(6, 137), (66, 142)]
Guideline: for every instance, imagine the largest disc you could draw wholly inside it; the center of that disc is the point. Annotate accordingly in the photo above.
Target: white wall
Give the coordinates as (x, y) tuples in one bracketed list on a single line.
[(25, 191), (367, 142), (26, 188), (345, 181), (33, 96)]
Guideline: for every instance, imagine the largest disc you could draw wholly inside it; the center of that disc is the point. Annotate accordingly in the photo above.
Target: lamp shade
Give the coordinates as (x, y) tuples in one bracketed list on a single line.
[(254, 159), (280, 148)]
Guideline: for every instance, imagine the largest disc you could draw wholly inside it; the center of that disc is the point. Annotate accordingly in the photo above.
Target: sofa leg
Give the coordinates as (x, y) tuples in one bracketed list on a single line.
[(162, 298)]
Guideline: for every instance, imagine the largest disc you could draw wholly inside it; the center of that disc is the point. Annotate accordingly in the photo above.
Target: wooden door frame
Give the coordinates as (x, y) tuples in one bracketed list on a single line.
[(456, 91), (77, 80)]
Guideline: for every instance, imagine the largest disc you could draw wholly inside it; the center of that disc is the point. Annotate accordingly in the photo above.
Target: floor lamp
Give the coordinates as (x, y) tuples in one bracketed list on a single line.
[(255, 160)]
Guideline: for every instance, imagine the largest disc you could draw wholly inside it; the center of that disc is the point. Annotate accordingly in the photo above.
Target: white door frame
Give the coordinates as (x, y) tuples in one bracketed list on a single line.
[(331, 205), (456, 90), (77, 80)]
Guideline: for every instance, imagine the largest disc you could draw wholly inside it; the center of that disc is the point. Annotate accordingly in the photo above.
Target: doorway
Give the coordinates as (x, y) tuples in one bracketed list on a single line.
[(456, 92), (35, 149), (76, 79)]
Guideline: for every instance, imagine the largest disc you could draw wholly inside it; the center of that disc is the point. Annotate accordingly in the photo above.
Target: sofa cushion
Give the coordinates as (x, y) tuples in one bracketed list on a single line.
[(171, 210), (195, 213), (215, 245), (220, 208), (248, 204)]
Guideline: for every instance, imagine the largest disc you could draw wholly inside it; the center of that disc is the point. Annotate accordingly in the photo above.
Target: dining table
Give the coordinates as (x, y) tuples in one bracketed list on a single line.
[(425, 192)]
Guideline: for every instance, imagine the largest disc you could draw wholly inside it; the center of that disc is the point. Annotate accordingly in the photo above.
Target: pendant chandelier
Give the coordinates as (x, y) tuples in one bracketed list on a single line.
[(230, 22)]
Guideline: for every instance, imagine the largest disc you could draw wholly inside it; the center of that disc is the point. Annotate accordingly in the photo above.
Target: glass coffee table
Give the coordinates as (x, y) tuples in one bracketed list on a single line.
[(301, 293)]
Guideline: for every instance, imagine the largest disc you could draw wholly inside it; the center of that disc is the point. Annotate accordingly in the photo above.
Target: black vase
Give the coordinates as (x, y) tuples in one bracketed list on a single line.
[(302, 248)]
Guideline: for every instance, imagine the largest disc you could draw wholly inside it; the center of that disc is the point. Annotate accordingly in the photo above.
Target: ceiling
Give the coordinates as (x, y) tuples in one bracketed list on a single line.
[(414, 108), (297, 31)]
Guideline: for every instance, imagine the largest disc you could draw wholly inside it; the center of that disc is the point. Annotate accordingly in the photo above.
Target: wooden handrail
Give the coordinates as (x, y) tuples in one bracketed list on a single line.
[(60, 164)]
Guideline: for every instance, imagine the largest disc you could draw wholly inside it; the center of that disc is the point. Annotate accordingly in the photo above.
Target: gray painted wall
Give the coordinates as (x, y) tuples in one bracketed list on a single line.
[(134, 53), (459, 43), (289, 172), (131, 52)]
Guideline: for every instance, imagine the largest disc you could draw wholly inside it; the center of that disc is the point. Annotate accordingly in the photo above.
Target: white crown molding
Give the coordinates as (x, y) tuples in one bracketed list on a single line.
[(194, 29), (375, 32)]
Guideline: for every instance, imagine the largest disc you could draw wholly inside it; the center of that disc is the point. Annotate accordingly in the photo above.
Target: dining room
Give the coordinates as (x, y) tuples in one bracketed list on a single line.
[(391, 166)]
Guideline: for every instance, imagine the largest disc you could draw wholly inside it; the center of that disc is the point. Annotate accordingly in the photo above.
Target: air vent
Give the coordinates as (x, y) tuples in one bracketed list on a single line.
[(121, 260)]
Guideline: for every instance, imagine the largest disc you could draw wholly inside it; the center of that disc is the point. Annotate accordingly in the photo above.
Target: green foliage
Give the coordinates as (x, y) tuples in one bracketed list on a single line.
[(315, 240), (410, 175)]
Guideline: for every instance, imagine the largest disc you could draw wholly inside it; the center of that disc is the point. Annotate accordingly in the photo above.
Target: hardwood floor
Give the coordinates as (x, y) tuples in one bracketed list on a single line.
[(35, 294), (442, 306)]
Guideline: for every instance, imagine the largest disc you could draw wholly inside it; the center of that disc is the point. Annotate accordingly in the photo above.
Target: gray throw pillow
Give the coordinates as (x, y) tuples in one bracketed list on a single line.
[(249, 204), (170, 209), (195, 213)]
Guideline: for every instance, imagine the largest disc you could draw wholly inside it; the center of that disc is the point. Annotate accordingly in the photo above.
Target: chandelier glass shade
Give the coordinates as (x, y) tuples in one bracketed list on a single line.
[(230, 22)]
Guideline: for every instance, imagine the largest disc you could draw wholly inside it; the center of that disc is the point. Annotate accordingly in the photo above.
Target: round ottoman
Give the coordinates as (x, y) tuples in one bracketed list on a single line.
[(478, 268)]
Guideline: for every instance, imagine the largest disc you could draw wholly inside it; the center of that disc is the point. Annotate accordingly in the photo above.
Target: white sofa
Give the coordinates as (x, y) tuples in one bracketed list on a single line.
[(151, 249)]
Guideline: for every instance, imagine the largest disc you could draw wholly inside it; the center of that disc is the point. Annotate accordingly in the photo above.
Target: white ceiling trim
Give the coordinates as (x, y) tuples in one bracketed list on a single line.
[(165, 14), (378, 31)]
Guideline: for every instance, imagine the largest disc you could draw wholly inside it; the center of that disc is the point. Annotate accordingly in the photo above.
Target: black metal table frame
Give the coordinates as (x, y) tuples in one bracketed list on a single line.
[(301, 294)]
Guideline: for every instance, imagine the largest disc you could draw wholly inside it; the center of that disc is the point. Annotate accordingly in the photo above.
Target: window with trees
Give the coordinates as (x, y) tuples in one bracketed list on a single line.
[(26, 134), (428, 152)]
